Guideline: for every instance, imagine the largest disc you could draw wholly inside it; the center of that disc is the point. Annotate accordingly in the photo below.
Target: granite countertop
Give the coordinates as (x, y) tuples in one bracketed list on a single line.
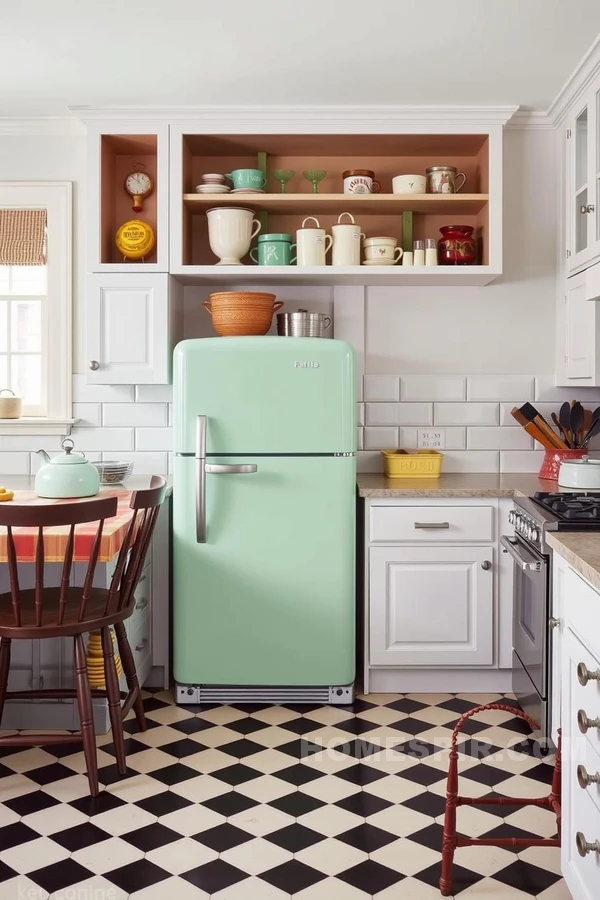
[(459, 485), (581, 549)]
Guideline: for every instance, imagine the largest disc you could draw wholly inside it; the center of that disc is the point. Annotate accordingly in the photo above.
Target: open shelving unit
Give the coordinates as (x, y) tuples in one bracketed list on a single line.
[(193, 153)]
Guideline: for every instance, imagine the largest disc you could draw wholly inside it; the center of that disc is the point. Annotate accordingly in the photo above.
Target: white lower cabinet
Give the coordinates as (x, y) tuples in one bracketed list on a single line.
[(431, 606), (580, 720), (132, 326)]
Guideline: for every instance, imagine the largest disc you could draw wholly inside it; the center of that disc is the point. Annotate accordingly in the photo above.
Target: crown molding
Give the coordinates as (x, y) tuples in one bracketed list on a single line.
[(531, 119), (40, 125), (343, 117), (576, 84)]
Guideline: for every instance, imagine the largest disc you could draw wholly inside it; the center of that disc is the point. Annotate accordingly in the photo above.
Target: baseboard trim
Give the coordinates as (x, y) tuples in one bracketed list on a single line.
[(438, 681)]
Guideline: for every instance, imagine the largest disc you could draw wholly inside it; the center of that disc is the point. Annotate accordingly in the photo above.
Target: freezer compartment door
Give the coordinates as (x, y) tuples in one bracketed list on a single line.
[(269, 598), (265, 395)]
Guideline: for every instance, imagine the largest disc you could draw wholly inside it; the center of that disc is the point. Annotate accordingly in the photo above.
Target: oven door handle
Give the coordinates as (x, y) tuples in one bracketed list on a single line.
[(511, 545)]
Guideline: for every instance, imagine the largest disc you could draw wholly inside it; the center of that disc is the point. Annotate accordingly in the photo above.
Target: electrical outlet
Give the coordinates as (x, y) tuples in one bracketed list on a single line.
[(431, 438)]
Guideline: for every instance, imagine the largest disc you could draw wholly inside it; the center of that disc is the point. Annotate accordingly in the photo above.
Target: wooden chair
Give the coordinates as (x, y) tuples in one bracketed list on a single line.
[(67, 611)]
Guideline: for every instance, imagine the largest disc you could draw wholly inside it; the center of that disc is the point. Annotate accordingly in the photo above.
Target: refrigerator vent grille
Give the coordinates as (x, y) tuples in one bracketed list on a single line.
[(230, 694)]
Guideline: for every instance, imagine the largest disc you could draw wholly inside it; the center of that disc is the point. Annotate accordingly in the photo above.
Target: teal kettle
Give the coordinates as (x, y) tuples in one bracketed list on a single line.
[(68, 475)]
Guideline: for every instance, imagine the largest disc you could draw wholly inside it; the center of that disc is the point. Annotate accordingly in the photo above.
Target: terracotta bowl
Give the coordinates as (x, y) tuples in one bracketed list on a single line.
[(235, 319), (241, 298)]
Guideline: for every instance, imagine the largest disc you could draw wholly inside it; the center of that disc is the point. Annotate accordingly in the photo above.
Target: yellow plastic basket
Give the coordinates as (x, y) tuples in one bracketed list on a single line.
[(412, 463)]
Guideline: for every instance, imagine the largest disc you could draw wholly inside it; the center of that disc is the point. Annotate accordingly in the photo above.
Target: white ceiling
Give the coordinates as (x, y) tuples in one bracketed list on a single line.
[(176, 52)]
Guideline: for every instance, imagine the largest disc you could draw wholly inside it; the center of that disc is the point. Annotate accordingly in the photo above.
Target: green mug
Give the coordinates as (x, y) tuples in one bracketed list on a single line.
[(248, 179), (274, 250)]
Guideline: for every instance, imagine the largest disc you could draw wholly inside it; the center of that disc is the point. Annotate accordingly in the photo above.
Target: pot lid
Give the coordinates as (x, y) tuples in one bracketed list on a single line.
[(442, 169), (274, 237), (586, 461), (350, 172), (68, 458)]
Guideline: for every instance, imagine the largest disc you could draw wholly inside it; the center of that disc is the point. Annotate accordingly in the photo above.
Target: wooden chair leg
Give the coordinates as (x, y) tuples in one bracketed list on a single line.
[(131, 675), (86, 715), (449, 834), (4, 669), (111, 682)]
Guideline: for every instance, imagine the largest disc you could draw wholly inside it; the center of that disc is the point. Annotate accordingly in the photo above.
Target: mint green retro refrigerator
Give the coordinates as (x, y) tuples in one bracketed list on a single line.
[(264, 520)]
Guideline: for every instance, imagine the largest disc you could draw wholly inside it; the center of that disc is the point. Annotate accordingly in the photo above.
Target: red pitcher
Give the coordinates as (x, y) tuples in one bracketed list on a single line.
[(457, 246)]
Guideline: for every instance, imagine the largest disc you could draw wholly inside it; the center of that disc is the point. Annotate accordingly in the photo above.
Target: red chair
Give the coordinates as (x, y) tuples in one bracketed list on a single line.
[(66, 611), (451, 840)]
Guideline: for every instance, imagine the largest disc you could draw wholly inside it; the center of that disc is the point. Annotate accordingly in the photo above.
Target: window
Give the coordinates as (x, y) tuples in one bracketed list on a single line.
[(35, 309)]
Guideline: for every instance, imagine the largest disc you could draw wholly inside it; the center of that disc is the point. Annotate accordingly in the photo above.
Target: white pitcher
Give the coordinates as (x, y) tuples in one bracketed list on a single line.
[(311, 244), (230, 233), (346, 242)]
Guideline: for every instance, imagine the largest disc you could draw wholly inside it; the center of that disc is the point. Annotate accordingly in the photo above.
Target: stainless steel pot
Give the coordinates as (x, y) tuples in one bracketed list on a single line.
[(302, 324)]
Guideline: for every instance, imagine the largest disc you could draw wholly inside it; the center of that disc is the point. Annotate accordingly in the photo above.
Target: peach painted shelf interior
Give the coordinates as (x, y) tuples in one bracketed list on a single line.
[(120, 155), (377, 214)]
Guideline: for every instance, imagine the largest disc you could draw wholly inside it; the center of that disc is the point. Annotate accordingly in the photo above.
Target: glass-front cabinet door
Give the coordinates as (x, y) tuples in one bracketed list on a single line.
[(583, 139)]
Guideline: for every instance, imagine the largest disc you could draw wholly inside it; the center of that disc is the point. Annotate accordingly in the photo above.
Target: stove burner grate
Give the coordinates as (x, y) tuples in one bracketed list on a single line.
[(571, 507)]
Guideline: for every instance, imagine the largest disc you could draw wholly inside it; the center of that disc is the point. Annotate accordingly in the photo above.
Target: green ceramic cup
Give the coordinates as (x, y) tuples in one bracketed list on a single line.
[(249, 179), (273, 250)]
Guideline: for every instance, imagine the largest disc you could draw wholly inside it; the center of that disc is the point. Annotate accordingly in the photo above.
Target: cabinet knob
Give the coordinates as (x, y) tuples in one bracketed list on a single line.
[(94, 365), (553, 623), (584, 847), (486, 565), (589, 208), (585, 779), (142, 645), (584, 723), (584, 674)]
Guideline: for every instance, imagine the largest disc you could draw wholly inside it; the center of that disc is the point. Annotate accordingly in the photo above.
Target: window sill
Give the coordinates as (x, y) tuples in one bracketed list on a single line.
[(36, 425)]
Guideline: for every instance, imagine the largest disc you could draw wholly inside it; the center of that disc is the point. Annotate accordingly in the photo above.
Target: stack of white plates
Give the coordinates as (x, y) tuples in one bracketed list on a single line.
[(114, 471), (212, 189)]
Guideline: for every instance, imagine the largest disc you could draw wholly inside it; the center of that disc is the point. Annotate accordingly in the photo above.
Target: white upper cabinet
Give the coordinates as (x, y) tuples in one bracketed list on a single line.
[(583, 180), (131, 328), (578, 330)]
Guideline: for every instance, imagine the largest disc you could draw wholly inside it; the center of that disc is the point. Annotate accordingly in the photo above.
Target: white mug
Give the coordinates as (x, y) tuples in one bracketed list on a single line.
[(230, 233), (409, 184), (346, 242), (311, 244)]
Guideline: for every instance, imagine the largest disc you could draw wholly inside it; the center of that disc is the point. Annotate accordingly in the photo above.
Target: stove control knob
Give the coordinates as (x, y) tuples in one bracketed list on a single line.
[(529, 532), (535, 535), (518, 521), (511, 517)]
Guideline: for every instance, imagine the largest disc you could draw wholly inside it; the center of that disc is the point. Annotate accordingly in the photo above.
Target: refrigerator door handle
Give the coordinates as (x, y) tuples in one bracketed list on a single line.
[(216, 469), (201, 480)]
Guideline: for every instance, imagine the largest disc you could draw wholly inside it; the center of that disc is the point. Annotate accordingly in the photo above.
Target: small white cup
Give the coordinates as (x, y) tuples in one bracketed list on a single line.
[(409, 184), (312, 244), (407, 259), (383, 249)]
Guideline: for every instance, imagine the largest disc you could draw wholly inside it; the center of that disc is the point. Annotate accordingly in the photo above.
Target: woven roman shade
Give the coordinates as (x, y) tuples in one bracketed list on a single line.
[(22, 237)]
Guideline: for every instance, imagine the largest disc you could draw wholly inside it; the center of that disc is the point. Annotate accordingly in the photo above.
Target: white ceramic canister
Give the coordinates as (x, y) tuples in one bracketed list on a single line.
[(312, 244), (346, 242), (583, 474), (409, 184), (230, 233), (382, 249)]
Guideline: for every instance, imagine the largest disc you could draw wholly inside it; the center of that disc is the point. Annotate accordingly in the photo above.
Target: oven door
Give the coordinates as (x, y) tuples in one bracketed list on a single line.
[(530, 610)]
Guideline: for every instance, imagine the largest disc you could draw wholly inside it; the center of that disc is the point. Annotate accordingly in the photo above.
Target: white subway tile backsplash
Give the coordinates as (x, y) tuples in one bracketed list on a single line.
[(369, 461), (432, 387), (498, 439), (135, 414), (27, 442), (101, 439), (466, 413), (154, 439), (171, 419), (100, 393), (408, 438), (359, 437), (154, 393), (13, 464), (470, 461), (143, 463), (499, 387), (382, 387), (88, 415), (545, 389), (380, 438), (521, 461), (360, 413), (399, 414), (381, 413)]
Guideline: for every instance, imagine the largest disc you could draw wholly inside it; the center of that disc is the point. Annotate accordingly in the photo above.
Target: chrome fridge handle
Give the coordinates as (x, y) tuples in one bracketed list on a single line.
[(201, 480), (219, 469)]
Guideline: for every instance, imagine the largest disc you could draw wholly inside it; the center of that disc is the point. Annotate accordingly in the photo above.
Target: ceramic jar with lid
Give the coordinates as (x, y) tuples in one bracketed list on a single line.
[(360, 181), (457, 246)]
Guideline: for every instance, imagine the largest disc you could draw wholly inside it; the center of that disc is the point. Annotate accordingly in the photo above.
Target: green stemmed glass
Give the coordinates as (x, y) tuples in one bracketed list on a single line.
[(315, 176), (283, 176)]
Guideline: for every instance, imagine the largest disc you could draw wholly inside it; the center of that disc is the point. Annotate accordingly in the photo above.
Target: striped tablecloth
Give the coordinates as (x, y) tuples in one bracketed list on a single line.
[(55, 539)]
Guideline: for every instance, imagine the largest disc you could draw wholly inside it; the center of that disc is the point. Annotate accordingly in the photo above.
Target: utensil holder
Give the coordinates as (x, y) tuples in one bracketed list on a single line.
[(553, 458)]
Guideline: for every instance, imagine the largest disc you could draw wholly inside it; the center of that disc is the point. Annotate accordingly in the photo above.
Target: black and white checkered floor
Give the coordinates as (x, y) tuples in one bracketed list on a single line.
[(269, 802)]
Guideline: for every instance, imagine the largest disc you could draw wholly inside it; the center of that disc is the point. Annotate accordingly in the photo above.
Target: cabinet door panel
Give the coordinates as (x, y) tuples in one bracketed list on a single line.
[(431, 606), (579, 330), (128, 329)]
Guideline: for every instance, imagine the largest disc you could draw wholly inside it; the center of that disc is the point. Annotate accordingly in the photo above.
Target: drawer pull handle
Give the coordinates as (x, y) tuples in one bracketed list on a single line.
[(431, 526), (584, 847), (142, 645), (584, 723), (584, 674), (142, 604), (585, 779)]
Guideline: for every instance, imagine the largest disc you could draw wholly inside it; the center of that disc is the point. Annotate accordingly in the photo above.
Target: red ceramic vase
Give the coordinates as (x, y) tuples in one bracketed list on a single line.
[(457, 246)]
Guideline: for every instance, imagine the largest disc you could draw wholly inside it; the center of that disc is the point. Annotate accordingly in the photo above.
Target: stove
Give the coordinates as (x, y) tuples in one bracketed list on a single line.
[(534, 516)]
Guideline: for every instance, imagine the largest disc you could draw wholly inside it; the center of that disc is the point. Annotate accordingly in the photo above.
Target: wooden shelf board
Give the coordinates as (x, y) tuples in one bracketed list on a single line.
[(252, 276), (378, 204)]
